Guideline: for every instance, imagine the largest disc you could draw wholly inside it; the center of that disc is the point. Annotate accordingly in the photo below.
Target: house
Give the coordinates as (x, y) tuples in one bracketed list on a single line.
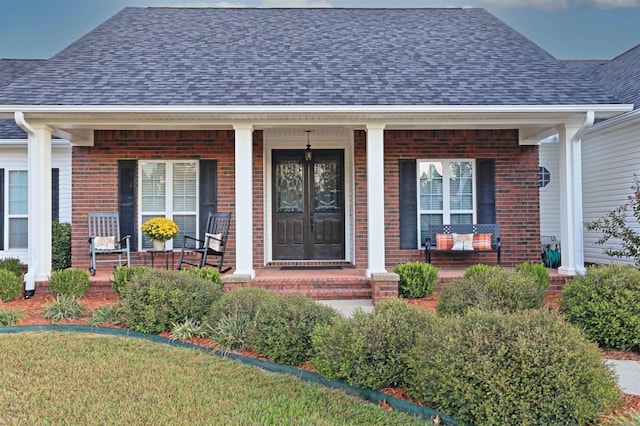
[(610, 155), (14, 174), (417, 116)]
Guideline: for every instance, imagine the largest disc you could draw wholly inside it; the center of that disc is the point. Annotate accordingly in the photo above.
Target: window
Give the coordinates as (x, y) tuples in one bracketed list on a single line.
[(446, 193), (544, 176), (18, 209), (169, 189)]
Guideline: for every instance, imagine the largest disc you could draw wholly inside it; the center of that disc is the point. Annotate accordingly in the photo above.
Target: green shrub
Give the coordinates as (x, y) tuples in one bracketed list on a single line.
[(538, 271), (231, 316), (604, 305), (491, 368), (282, 329), (69, 281), (246, 300), (495, 289), (60, 245), (208, 273), (123, 274), (10, 285), (150, 302), (64, 306), (9, 316), (417, 279), (479, 268), (369, 349), (13, 265)]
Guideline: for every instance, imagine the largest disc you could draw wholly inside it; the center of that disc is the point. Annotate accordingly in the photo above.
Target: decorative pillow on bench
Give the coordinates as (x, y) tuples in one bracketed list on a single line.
[(462, 242), (482, 241), (444, 241)]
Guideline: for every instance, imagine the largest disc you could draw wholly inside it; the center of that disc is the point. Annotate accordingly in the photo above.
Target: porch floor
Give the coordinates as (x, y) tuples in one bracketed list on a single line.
[(319, 284)]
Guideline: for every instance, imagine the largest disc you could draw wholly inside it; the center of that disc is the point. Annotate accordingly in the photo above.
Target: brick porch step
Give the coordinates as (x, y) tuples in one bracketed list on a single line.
[(330, 284)]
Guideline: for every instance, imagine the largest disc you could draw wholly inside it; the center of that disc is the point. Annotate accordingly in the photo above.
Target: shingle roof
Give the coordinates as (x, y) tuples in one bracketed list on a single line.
[(10, 70), (621, 77), (161, 56)]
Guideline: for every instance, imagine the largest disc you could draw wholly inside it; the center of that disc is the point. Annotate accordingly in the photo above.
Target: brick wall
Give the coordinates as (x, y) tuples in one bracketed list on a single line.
[(95, 174), (94, 180), (517, 203)]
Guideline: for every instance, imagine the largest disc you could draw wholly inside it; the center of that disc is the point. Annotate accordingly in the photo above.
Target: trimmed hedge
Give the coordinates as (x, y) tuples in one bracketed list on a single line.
[(282, 329), (208, 273), (537, 270), (60, 245), (491, 368), (10, 285), (369, 350), (231, 316), (417, 279), (152, 301), (70, 281), (123, 274), (12, 264), (494, 289), (604, 304)]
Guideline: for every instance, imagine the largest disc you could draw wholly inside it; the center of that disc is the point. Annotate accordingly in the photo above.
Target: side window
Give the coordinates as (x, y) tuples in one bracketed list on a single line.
[(544, 177), (17, 208), (446, 193), (169, 189)]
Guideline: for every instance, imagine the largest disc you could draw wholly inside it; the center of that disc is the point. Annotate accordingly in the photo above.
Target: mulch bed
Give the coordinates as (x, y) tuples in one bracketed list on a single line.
[(32, 315)]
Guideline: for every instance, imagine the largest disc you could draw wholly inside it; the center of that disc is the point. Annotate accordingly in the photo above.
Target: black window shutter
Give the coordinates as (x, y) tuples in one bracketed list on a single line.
[(1, 209), (55, 194), (486, 186), (408, 205), (127, 199), (208, 192)]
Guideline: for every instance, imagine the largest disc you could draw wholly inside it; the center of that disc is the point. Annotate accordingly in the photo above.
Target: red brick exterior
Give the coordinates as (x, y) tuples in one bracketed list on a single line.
[(517, 193), (95, 169), (95, 174)]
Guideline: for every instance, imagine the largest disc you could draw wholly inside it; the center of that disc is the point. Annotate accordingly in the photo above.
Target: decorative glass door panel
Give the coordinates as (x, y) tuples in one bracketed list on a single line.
[(308, 200)]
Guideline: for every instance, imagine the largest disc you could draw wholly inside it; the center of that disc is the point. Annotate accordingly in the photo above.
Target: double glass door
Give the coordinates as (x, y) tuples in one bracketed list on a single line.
[(308, 205)]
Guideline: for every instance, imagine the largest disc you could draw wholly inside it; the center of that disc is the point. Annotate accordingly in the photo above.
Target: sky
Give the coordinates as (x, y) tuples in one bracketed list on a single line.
[(567, 29)]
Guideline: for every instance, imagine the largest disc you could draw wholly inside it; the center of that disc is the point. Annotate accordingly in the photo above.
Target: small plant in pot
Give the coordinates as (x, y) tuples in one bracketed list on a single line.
[(159, 230)]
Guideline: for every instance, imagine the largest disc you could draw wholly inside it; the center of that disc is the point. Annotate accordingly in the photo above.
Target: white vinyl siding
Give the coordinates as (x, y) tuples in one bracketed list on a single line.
[(169, 189), (610, 158), (550, 194), (13, 156)]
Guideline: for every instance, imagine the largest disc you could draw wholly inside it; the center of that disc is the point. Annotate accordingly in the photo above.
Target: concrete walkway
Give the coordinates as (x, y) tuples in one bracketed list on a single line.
[(628, 375), (628, 371)]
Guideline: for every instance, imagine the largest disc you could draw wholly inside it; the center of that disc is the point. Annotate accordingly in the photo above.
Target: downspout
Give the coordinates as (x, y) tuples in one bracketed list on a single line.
[(29, 278), (576, 143)]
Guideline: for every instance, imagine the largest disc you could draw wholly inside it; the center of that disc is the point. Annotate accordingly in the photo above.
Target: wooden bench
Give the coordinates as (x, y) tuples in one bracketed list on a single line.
[(440, 239)]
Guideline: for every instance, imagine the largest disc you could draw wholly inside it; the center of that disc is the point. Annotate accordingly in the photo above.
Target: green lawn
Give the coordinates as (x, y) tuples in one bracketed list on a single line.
[(67, 378)]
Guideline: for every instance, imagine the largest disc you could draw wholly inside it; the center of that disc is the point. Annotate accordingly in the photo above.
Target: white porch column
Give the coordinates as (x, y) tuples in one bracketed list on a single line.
[(39, 199), (572, 257), (244, 199), (375, 198)]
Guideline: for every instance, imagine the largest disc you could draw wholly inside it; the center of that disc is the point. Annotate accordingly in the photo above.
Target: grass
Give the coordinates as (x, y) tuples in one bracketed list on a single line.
[(68, 378)]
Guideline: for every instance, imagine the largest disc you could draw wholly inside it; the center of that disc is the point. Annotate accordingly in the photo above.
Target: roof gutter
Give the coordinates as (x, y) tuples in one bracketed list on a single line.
[(271, 109), (588, 123), (22, 123)]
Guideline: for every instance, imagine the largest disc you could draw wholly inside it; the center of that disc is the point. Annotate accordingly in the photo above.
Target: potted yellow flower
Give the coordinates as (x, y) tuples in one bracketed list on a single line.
[(159, 230)]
